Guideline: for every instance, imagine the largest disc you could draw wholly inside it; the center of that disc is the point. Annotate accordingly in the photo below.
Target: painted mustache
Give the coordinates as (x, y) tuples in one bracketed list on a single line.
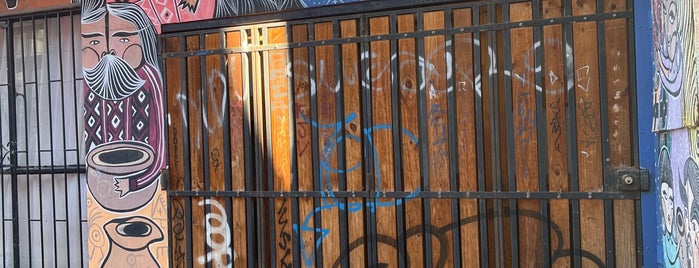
[(112, 78)]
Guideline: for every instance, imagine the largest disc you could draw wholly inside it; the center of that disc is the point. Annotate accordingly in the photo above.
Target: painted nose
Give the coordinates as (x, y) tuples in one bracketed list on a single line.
[(104, 53)]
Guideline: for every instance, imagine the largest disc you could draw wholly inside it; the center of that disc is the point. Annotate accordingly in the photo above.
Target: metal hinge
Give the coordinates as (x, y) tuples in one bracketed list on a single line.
[(165, 179), (631, 179)]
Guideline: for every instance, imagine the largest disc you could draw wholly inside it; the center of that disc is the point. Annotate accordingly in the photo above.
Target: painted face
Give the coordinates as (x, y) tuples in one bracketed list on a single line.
[(121, 40), (111, 58), (668, 204), (671, 27)]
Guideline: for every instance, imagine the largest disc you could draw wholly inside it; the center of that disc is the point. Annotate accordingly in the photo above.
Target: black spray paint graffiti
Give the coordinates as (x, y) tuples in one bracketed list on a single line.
[(129, 241), (442, 235)]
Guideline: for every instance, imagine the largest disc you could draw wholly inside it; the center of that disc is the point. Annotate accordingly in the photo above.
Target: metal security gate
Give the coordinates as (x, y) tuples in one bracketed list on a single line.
[(41, 154), (405, 133)]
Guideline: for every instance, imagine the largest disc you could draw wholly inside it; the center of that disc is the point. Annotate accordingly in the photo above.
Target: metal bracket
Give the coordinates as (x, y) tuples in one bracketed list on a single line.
[(165, 179), (631, 179)]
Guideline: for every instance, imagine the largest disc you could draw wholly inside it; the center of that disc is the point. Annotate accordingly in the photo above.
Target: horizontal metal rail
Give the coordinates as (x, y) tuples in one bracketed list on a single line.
[(410, 195)]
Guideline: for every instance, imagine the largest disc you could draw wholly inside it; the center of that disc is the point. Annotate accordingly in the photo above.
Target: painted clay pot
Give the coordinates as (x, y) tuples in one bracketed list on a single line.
[(113, 170), (129, 241)]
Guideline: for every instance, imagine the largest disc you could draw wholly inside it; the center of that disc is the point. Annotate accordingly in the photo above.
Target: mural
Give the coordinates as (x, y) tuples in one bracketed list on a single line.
[(124, 123), (21, 5), (675, 93), (123, 108), (679, 198), (129, 239), (676, 107), (173, 11)]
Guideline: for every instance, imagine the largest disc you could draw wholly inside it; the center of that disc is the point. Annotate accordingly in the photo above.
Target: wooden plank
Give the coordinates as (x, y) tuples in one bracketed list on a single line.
[(409, 121), (556, 91), (196, 139), (280, 102), (353, 150), (586, 70), (326, 85), (466, 123), (382, 142), (621, 147), (215, 92), (302, 87), (177, 113), (435, 91), (524, 109), (237, 139)]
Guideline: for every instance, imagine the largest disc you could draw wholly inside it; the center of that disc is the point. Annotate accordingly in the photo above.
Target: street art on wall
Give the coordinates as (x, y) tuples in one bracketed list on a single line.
[(676, 109), (173, 11), (124, 123), (129, 239), (675, 94), (124, 136), (679, 198), (20, 5)]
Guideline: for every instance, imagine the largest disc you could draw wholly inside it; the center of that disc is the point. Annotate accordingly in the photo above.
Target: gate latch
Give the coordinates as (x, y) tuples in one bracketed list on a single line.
[(630, 179)]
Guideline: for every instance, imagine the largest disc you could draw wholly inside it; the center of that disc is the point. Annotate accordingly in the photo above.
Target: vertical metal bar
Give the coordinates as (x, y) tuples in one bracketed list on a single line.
[(26, 144), (260, 153), (13, 141), (371, 247), (271, 172), (397, 138), (3, 28), (77, 94), (203, 97), (184, 91), (38, 142), (295, 215), (480, 142), (452, 137), (248, 135), (604, 127), (341, 148), (423, 145), (53, 175), (227, 172), (542, 135), (510, 137), (38, 121), (77, 140), (571, 137), (635, 125), (495, 145), (315, 145)]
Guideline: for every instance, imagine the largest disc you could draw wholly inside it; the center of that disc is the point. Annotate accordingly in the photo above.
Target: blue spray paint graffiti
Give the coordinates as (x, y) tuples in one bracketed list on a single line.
[(329, 201)]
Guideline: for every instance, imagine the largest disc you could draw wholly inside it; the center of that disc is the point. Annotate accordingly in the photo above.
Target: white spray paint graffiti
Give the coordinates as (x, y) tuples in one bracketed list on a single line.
[(217, 225)]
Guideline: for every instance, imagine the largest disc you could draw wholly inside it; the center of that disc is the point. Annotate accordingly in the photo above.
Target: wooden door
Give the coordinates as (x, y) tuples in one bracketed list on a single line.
[(479, 134)]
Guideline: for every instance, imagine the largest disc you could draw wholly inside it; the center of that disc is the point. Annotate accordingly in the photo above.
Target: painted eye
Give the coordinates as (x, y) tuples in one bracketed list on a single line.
[(124, 40), (94, 42)]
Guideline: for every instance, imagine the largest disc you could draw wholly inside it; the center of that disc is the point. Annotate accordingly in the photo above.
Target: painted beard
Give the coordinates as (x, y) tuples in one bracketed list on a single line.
[(112, 78)]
